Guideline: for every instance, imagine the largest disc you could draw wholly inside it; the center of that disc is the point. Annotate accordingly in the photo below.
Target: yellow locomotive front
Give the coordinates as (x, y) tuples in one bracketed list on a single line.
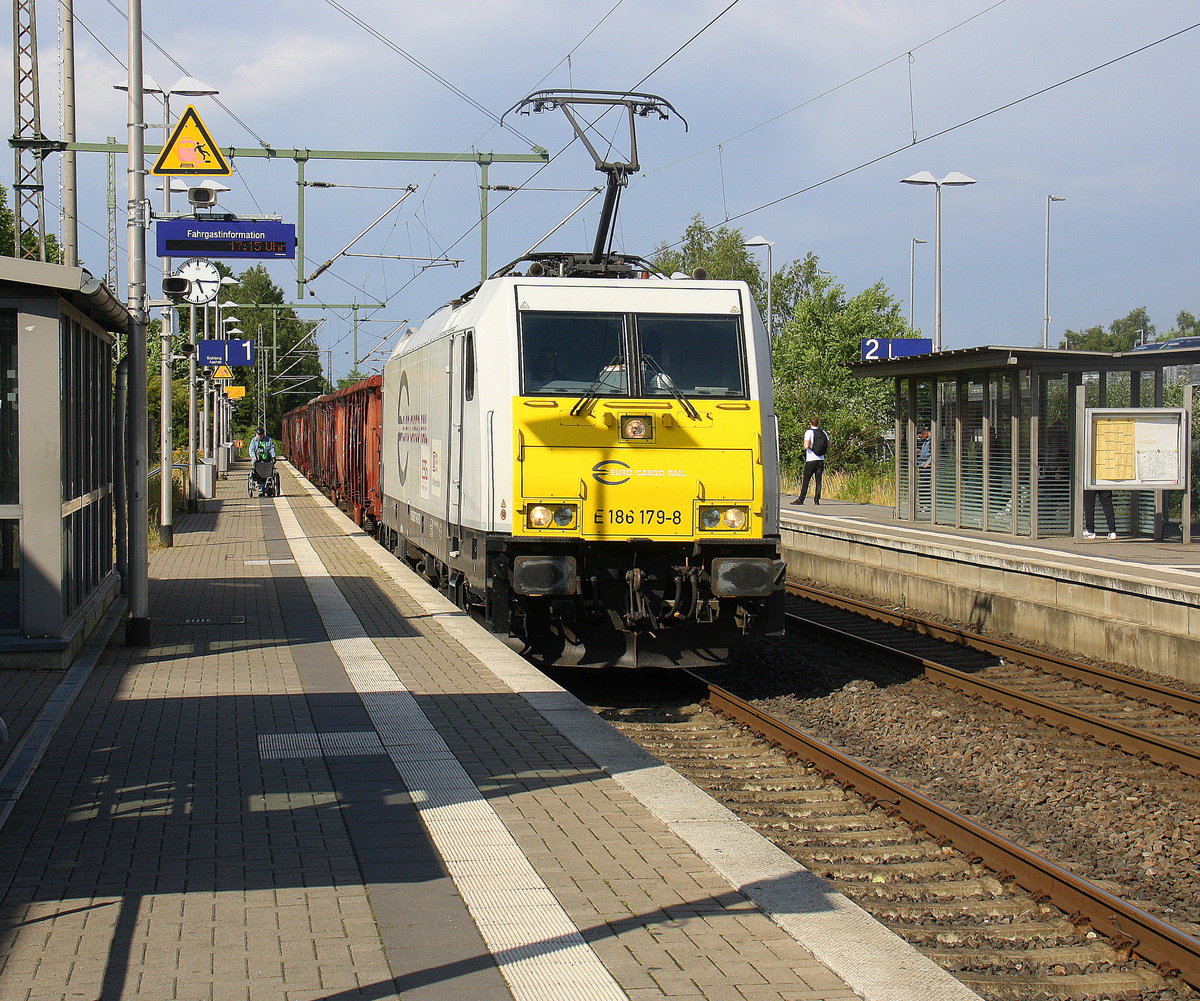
[(644, 522)]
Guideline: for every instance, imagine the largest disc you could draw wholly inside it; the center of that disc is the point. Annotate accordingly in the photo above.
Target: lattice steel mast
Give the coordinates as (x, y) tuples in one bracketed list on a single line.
[(29, 144)]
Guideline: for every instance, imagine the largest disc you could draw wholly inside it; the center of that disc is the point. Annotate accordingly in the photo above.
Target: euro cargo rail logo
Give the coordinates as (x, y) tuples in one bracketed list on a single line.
[(611, 472)]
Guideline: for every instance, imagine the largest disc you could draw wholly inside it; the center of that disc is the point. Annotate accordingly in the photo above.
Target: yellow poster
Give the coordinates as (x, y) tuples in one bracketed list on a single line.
[(235, 392), (1113, 455)]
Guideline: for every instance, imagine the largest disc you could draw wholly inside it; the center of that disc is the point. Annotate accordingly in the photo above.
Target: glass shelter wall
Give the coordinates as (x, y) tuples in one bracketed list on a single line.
[(1000, 455), (57, 566)]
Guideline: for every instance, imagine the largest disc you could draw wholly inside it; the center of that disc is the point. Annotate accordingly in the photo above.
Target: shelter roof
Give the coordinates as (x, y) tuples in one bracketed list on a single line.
[(991, 357), (77, 285)]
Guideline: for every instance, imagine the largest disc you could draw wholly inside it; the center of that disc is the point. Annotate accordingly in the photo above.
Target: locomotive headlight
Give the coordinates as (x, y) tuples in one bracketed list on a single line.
[(551, 516), (730, 519), (734, 518), (640, 428)]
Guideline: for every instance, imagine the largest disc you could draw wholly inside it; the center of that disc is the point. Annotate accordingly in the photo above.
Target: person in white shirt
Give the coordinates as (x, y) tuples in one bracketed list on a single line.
[(816, 443)]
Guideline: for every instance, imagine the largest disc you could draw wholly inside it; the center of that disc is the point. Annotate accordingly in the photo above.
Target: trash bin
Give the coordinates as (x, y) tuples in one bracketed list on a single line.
[(206, 479), (223, 459)]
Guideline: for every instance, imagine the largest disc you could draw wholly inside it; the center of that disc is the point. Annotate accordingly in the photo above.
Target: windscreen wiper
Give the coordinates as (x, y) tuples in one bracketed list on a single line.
[(669, 383), (592, 393)]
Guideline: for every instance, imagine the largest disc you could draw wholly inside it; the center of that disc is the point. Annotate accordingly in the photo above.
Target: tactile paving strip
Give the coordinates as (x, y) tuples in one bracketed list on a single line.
[(538, 949)]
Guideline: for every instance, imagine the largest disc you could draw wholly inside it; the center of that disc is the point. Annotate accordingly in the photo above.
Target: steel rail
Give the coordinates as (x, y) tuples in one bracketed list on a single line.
[(1134, 688), (1172, 951), (1168, 753)]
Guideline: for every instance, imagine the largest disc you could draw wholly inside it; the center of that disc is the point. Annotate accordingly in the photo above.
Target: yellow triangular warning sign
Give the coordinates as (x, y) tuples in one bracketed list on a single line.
[(191, 150), (223, 372)]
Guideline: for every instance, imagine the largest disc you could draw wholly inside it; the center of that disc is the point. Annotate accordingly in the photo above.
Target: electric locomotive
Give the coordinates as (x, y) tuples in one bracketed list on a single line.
[(584, 453)]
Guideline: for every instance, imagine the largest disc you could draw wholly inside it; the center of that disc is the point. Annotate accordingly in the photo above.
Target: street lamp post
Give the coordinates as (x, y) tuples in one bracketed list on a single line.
[(762, 241), (912, 276), (954, 178), (1046, 283)]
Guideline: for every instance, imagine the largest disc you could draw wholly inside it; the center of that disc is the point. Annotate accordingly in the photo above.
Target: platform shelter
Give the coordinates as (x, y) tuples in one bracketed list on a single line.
[(58, 330), (988, 438)]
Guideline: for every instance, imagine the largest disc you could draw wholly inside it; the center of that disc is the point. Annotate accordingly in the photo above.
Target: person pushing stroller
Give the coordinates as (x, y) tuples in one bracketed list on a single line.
[(262, 454)]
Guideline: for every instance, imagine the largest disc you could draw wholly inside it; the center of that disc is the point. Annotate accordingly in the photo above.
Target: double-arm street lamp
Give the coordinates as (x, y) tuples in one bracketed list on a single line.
[(954, 178)]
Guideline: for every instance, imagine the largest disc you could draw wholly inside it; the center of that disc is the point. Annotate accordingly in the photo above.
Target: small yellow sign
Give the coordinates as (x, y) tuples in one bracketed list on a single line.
[(223, 372), (235, 392), (191, 150)]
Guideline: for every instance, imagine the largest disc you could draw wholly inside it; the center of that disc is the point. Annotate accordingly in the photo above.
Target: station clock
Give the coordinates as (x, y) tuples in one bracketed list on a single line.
[(204, 280)]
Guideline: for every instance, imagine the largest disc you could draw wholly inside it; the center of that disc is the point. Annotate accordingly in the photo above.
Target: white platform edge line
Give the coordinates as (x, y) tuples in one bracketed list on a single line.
[(872, 960), (534, 954)]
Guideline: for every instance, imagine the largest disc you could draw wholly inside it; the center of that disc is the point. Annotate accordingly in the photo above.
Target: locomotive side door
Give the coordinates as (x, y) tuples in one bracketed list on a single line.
[(462, 391)]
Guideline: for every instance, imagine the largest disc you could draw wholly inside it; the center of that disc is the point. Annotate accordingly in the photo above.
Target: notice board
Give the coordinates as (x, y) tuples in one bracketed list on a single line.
[(1142, 448)]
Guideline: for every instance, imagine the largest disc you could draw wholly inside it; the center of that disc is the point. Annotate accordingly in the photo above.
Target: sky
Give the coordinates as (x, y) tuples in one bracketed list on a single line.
[(801, 119)]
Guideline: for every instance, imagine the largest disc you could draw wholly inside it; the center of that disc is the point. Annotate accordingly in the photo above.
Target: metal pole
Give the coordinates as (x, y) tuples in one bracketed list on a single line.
[(137, 628), (1046, 283), (208, 441), (192, 407), (300, 161), (70, 186), (166, 495), (912, 278), (204, 424), (121, 471), (937, 268), (483, 221), (770, 293)]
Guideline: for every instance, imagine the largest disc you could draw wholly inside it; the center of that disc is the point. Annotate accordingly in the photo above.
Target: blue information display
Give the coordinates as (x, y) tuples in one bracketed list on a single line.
[(235, 353), (221, 238), (881, 348)]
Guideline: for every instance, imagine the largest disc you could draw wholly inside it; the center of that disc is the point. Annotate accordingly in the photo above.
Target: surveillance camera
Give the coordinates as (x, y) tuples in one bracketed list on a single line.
[(173, 285), (202, 197)]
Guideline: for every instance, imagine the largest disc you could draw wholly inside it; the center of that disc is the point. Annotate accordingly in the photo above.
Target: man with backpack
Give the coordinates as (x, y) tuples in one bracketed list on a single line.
[(816, 444)]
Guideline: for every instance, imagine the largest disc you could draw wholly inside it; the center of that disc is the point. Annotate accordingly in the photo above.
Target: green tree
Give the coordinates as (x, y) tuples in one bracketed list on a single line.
[(818, 330), (1123, 334), (350, 378), (293, 371), (28, 238), (811, 365)]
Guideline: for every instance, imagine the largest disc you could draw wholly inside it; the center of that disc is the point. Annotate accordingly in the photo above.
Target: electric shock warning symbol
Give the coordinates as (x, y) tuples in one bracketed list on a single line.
[(191, 150)]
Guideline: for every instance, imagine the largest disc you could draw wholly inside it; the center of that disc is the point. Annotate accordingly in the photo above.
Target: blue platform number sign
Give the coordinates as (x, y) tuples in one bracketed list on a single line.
[(882, 348), (236, 353)]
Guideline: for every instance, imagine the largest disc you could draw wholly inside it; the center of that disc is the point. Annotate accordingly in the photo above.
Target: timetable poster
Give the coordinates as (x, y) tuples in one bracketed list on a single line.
[(1136, 448)]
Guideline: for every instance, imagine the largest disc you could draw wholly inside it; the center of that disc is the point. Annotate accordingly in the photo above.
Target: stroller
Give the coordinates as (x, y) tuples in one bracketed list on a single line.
[(263, 479)]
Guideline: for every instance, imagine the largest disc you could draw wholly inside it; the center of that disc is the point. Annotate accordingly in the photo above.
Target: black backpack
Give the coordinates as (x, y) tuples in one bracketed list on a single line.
[(820, 442)]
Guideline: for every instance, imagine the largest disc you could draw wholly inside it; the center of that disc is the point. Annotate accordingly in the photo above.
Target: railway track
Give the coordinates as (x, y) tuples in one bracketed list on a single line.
[(1008, 916), (1152, 721), (1007, 924)]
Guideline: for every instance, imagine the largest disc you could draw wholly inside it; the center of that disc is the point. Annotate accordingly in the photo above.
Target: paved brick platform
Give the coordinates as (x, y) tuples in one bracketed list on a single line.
[(323, 783)]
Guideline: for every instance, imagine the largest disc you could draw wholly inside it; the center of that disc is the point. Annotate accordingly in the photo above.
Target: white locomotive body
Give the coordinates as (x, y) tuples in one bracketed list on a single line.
[(590, 463)]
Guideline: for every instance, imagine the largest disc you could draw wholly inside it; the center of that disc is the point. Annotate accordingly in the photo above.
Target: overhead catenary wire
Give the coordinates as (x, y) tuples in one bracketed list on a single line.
[(953, 128), (832, 90), (427, 70)]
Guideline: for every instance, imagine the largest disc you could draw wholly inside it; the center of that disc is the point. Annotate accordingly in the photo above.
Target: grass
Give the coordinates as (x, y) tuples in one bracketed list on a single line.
[(858, 486)]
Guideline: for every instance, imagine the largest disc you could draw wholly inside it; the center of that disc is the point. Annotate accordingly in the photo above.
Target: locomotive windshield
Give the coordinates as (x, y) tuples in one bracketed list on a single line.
[(577, 354), (565, 354)]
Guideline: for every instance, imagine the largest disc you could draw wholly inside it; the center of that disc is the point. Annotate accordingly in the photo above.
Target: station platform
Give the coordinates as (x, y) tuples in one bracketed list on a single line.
[(322, 782), (1128, 601)]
